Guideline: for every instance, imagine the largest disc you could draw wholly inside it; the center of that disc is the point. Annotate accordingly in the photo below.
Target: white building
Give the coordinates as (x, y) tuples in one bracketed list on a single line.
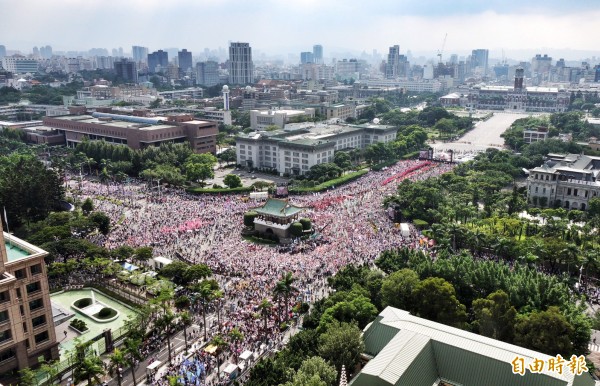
[(296, 151), (259, 120), (566, 181), (19, 64), (407, 85), (535, 135)]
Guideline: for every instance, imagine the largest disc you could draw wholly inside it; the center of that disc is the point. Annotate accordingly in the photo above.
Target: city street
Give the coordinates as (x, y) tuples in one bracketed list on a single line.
[(485, 134)]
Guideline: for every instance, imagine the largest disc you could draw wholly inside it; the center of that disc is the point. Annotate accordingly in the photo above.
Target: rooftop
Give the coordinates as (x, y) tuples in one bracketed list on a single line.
[(17, 249), (278, 208), (413, 351)]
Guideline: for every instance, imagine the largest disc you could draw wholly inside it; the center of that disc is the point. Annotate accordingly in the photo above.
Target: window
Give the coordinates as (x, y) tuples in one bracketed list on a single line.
[(41, 337), (20, 273), (4, 336), (296, 160), (304, 155), (296, 154), (33, 287), (35, 269), (305, 161), (7, 355), (3, 316), (4, 297), (36, 304), (242, 146), (40, 320)]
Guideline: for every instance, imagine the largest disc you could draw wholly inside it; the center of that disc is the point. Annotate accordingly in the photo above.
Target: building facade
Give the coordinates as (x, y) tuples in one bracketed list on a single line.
[(139, 54), (127, 70), (26, 326), (158, 60), (207, 73), (184, 58), (259, 120), (565, 181), (136, 132), (295, 151), (241, 68), (19, 64)]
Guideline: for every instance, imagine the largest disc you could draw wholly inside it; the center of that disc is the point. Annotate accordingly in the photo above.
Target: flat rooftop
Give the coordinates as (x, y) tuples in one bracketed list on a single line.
[(13, 252)]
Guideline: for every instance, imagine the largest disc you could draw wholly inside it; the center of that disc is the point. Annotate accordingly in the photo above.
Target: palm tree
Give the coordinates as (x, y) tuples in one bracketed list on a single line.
[(164, 323), (287, 280), (279, 293), (217, 296), (220, 344), (235, 337), (117, 362), (90, 368), (204, 295), (133, 354), (265, 310), (186, 321)]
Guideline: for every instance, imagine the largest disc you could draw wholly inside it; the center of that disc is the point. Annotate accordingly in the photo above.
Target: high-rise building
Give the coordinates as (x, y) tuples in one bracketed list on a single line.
[(127, 70), (27, 332), (36, 52), (541, 64), (207, 73), (139, 54), (479, 58), (318, 53), (158, 59), (184, 57), (393, 61), (307, 57), (241, 68), (2, 52), (46, 52)]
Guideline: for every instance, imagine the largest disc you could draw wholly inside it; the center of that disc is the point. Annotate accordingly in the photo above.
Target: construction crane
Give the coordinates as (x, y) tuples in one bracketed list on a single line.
[(441, 51)]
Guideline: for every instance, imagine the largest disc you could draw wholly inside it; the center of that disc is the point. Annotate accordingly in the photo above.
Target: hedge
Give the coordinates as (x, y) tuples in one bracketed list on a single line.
[(242, 189), (412, 155), (381, 165), (328, 184)]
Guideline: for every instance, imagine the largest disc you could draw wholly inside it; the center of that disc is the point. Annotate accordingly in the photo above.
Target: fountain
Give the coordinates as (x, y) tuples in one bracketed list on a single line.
[(94, 309)]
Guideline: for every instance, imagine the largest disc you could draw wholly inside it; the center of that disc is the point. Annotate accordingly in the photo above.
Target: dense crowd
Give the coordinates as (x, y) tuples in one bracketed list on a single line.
[(352, 225)]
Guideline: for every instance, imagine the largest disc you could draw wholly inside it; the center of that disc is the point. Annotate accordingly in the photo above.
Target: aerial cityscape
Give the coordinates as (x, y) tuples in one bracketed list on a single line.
[(299, 193)]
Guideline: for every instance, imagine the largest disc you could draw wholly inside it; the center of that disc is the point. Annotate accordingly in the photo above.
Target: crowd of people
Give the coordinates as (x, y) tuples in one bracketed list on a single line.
[(352, 224)]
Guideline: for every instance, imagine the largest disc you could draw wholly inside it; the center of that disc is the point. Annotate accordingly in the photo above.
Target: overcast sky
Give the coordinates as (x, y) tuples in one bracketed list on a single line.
[(289, 26)]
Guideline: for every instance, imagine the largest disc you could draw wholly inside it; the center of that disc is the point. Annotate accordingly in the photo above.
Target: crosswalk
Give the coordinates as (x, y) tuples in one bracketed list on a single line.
[(593, 347)]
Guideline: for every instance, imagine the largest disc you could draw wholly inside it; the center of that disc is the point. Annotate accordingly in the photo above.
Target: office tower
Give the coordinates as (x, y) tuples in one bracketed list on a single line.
[(519, 72), (184, 57), (241, 68), (2, 52), (46, 52), (479, 58), (318, 54), (541, 64), (26, 325), (139, 54), (207, 73), (393, 60), (36, 52), (597, 73), (127, 70), (306, 57), (158, 60)]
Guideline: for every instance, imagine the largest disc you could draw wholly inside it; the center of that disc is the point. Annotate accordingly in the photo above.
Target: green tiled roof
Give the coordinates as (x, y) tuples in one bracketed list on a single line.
[(278, 208)]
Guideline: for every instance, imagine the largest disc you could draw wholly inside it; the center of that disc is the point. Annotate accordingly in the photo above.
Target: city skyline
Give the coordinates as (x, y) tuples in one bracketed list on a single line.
[(272, 27)]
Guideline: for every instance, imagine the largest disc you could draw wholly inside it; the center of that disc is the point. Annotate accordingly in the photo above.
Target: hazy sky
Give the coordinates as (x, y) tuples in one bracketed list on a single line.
[(289, 26)]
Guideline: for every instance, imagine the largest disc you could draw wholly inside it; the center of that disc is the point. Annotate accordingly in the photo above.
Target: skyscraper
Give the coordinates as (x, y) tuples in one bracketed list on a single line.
[(184, 58), (2, 52), (479, 58), (318, 53), (46, 52), (393, 60), (307, 57), (139, 54), (241, 68), (207, 73), (127, 70), (158, 59)]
